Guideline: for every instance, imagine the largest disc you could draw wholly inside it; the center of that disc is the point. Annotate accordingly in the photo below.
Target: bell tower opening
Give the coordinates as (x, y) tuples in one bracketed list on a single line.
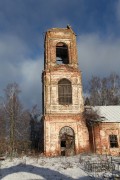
[(62, 53)]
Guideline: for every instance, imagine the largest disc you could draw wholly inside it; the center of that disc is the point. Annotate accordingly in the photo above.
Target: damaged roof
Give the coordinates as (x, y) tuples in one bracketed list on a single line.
[(68, 28)]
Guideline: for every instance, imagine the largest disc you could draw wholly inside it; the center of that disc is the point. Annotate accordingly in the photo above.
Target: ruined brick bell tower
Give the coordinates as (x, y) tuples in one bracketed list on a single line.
[(65, 132)]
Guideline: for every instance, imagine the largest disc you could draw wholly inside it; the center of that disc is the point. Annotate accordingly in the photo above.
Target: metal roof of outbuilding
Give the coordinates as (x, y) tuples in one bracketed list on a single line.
[(108, 113)]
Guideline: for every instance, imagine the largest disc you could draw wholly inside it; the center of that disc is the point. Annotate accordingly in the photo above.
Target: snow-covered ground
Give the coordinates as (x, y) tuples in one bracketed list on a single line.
[(42, 168)]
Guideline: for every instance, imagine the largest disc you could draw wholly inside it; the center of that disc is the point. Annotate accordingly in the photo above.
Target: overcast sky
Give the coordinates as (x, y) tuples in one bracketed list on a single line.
[(22, 27)]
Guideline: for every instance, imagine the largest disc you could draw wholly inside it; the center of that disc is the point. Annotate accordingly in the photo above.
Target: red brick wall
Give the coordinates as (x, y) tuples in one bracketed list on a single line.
[(101, 133), (53, 125)]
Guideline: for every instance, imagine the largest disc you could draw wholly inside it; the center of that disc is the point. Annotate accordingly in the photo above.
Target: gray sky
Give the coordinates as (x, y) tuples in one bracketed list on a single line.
[(22, 27)]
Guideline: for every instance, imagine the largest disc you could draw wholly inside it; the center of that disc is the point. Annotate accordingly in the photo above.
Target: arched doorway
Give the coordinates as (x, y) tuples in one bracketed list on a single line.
[(67, 141)]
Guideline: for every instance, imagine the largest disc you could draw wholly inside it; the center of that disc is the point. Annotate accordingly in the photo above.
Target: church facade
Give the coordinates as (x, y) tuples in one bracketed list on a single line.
[(65, 131)]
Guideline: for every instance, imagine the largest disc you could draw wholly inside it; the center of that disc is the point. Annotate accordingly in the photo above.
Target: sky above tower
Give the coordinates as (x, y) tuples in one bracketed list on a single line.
[(23, 24)]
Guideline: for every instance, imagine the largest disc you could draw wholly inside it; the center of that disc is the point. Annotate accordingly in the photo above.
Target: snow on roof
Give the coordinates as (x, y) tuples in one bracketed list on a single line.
[(108, 113)]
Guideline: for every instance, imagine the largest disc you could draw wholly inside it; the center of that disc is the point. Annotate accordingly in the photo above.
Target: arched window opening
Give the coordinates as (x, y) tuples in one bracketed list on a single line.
[(64, 92), (62, 53)]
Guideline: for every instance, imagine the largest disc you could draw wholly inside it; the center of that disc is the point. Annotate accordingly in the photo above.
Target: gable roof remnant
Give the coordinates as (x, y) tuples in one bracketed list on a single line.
[(108, 113), (67, 29)]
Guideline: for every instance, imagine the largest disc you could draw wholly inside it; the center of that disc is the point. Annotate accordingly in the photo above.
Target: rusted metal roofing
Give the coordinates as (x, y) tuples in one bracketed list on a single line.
[(108, 113)]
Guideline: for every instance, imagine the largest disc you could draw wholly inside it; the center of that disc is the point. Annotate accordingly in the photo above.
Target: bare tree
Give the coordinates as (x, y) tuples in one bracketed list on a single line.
[(22, 131), (12, 109), (114, 90), (92, 119), (94, 90), (2, 130), (36, 129), (104, 91), (17, 119)]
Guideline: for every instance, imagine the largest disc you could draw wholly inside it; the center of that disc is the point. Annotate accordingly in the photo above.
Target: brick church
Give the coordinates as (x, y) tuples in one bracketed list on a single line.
[(65, 129)]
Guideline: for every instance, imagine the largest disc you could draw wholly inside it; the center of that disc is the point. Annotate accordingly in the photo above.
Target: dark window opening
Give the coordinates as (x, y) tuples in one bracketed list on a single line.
[(64, 92), (63, 143), (62, 54), (113, 141)]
